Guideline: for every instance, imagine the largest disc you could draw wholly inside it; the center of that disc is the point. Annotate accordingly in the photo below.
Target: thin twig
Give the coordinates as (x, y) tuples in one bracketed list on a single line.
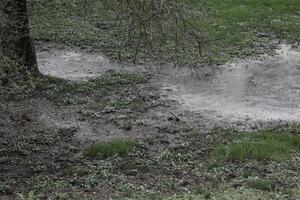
[(176, 118)]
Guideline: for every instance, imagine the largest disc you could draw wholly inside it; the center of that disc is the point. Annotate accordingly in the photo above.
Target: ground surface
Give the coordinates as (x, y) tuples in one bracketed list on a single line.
[(177, 116), (264, 88), (179, 129)]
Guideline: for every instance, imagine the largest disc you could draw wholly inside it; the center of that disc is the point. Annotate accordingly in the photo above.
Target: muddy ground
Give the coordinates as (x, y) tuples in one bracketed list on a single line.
[(169, 110), (264, 88)]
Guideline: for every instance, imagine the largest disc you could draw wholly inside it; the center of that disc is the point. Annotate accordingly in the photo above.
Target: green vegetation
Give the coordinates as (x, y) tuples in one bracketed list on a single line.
[(178, 160), (264, 185), (69, 92), (172, 171), (119, 147), (242, 28), (31, 196), (106, 81), (237, 194), (120, 103), (228, 28), (263, 145)]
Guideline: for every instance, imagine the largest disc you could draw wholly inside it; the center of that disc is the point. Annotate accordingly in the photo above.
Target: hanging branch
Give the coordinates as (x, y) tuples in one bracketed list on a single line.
[(152, 26)]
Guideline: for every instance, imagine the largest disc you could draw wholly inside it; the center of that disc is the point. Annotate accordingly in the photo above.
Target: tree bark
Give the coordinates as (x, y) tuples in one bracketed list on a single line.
[(15, 41)]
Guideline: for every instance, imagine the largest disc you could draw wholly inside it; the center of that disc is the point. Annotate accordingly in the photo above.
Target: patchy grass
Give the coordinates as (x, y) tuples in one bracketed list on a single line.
[(118, 147), (71, 92), (265, 185), (237, 194), (262, 145), (30, 196), (238, 28), (108, 81), (230, 28), (134, 103), (177, 170)]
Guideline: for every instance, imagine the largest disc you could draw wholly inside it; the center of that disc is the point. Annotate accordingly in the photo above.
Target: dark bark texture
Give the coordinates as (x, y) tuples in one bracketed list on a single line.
[(15, 41)]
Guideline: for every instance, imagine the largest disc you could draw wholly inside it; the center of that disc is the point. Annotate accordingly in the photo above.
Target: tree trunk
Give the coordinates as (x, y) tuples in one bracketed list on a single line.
[(15, 41)]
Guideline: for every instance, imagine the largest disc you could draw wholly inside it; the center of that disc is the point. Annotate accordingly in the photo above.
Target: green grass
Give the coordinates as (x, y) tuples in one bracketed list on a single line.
[(136, 104), (106, 81), (70, 92), (231, 28), (118, 147), (239, 28), (29, 196), (164, 169), (237, 194), (264, 185), (262, 145)]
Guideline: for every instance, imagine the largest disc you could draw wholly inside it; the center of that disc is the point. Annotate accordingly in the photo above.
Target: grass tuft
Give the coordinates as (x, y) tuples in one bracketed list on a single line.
[(118, 147), (262, 145)]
